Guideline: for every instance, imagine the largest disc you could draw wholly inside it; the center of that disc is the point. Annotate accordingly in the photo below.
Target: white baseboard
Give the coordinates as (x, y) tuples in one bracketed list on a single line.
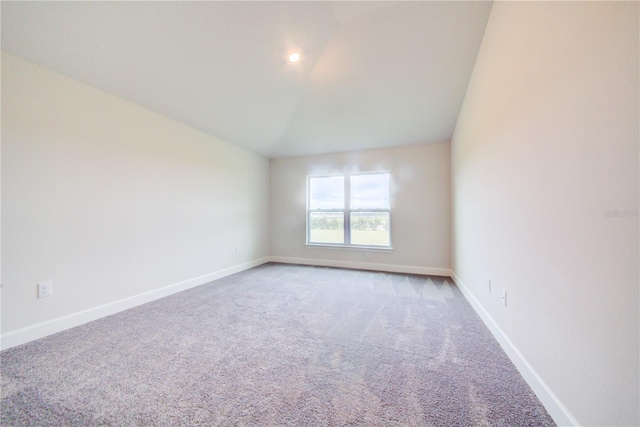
[(392, 268), (40, 330), (554, 406)]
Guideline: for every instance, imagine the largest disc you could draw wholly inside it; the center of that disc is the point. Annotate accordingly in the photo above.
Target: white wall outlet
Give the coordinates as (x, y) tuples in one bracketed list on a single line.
[(504, 297), (237, 251), (45, 289), (489, 285)]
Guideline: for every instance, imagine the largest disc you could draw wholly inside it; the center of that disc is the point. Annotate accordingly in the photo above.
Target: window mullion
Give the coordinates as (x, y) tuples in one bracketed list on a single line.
[(347, 210), (308, 209)]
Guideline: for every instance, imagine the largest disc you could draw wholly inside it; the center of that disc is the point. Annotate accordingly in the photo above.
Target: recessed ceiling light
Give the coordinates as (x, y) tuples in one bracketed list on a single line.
[(294, 57)]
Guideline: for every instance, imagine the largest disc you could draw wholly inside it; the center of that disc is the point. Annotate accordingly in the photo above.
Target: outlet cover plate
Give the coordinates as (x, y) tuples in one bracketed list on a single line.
[(45, 289)]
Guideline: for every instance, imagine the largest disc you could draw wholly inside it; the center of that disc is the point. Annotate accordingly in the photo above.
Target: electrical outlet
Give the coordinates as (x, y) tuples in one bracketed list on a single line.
[(504, 297), (45, 289), (489, 284)]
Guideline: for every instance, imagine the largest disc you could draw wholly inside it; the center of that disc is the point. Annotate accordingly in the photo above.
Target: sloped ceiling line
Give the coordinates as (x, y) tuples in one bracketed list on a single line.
[(372, 74)]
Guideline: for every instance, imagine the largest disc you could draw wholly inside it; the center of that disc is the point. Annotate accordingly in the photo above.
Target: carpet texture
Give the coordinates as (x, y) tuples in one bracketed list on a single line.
[(277, 345)]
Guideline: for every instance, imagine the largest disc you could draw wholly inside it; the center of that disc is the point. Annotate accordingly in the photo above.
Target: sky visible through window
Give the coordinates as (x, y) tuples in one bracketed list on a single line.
[(369, 191), (327, 192)]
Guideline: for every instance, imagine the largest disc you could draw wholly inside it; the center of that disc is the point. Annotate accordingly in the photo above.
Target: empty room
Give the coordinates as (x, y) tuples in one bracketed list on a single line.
[(320, 213)]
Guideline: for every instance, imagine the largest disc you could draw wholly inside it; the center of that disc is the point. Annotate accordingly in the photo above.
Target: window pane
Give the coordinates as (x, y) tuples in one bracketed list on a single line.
[(370, 228), (326, 227), (370, 191), (326, 192)]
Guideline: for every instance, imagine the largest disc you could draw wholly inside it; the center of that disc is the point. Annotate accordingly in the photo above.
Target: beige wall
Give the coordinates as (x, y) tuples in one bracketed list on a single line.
[(546, 145), (109, 200), (420, 205)]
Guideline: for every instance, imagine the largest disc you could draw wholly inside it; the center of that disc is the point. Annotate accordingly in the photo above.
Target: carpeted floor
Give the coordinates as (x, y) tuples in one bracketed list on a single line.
[(277, 345)]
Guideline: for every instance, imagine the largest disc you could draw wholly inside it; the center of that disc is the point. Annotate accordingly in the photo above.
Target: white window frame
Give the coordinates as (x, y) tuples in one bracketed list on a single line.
[(346, 213)]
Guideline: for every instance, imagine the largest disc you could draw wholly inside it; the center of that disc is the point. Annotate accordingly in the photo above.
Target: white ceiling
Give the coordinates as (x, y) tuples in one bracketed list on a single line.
[(372, 74)]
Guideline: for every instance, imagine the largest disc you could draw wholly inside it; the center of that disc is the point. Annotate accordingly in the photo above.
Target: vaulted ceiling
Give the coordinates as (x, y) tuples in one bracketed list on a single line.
[(371, 74)]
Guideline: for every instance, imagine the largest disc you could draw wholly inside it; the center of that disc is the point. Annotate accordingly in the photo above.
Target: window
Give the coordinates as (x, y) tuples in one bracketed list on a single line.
[(349, 210)]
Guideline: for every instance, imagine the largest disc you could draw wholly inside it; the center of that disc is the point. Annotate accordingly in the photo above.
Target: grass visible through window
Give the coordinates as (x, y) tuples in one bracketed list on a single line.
[(358, 237)]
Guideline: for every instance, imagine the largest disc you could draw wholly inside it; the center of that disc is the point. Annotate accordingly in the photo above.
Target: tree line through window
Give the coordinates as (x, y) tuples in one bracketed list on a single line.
[(349, 210)]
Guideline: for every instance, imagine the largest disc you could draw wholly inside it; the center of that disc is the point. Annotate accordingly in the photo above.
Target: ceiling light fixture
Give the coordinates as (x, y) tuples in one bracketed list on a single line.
[(294, 57)]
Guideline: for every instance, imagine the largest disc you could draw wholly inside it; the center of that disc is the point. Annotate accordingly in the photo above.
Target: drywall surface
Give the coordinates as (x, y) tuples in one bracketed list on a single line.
[(545, 196), (108, 200), (420, 205)]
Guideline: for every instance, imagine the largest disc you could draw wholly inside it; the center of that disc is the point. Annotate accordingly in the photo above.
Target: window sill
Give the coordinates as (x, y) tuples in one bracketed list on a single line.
[(351, 247)]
